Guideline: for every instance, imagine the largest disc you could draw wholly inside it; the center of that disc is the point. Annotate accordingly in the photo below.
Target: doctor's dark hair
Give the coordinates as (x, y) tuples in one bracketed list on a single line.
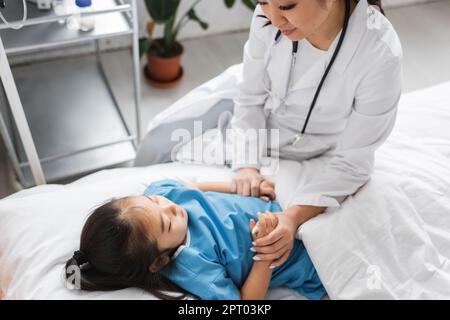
[(370, 2), (115, 253), (376, 3)]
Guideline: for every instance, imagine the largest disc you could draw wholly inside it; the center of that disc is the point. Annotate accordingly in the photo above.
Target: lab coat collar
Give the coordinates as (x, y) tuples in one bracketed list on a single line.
[(356, 28), (355, 31)]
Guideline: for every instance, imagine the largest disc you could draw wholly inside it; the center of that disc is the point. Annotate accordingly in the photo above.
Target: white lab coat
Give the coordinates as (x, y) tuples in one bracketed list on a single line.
[(354, 113)]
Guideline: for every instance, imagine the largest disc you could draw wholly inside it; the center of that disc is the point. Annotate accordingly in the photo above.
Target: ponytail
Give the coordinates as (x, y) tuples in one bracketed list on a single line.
[(376, 3)]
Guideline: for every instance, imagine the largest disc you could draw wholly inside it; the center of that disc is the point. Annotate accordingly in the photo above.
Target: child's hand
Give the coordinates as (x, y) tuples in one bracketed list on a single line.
[(267, 190), (267, 222)]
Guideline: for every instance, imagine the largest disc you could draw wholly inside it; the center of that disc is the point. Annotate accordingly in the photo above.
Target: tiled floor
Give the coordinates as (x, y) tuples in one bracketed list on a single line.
[(423, 30)]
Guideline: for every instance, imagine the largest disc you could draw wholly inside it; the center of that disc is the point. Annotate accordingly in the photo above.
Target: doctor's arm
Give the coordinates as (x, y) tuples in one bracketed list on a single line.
[(249, 116), (369, 125)]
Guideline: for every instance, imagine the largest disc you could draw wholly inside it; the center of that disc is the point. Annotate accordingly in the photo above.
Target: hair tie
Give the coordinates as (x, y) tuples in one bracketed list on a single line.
[(80, 257)]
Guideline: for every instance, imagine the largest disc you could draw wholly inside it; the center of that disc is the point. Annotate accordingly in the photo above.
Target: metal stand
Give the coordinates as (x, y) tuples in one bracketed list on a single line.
[(98, 108), (19, 116)]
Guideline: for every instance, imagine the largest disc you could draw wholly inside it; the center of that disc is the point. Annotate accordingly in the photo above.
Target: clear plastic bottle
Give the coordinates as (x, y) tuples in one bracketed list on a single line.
[(59, 7), (86, 23)]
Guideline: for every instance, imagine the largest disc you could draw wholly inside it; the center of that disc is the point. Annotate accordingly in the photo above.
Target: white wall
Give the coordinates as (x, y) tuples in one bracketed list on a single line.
[(399, 3)]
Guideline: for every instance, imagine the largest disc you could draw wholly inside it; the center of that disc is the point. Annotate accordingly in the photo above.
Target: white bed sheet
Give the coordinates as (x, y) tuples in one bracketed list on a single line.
[(391, 240)]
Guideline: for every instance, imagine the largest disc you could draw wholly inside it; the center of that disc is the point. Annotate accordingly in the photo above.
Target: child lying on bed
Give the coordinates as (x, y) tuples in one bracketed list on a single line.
[(192, 239)]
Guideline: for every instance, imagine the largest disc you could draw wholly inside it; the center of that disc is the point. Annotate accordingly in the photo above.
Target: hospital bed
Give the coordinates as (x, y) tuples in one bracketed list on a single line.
[(390, 240)]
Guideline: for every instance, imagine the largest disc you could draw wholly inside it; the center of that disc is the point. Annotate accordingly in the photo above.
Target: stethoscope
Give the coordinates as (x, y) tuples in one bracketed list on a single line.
[(298, 137)]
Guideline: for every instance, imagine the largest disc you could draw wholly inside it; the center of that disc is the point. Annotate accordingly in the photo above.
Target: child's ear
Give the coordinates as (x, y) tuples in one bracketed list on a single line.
[(158, 264)]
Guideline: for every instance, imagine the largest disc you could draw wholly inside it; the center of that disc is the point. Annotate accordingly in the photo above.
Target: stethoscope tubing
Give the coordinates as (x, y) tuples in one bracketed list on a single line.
[(330, 65)]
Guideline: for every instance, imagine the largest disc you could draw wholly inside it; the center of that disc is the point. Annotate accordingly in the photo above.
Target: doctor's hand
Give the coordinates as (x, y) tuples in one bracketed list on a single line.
[(247, 181), (267, 190), (277, 245)]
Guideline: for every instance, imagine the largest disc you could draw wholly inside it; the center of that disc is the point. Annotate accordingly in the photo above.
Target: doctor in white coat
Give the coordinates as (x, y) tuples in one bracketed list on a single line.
[(331, 87)]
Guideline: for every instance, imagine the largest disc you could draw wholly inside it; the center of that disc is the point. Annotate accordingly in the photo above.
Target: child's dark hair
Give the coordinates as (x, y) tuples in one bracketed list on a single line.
[(115, 253)]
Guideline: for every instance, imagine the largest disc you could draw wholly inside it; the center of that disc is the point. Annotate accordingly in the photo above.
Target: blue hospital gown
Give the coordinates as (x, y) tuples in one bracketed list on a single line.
[(217, 260)]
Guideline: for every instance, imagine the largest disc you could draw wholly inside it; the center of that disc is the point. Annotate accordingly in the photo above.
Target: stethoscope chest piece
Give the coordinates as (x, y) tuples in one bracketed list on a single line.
[(297, 139)]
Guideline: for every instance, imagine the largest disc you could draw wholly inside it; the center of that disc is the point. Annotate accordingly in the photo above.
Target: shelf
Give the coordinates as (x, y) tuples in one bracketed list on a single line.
[(70, 107), (63, 112), (43, 31)]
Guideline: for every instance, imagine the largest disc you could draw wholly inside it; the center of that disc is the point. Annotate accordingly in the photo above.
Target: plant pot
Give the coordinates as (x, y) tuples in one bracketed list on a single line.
[(164, 72)]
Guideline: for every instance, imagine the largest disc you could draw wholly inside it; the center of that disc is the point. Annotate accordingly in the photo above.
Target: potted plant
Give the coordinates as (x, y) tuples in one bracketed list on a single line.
[(163, 69)]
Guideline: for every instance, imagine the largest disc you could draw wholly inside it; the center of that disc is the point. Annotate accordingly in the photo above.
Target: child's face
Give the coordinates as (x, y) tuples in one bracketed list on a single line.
[(166, 221)]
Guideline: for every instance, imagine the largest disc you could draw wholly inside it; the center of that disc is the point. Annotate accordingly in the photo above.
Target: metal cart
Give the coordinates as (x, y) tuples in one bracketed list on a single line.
[(63, 119)]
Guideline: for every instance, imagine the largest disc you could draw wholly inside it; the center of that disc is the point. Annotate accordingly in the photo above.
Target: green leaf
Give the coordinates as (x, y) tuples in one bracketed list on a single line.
[(251, 4), (192, 15), (143, 46), (229, 3), (162, 10)]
